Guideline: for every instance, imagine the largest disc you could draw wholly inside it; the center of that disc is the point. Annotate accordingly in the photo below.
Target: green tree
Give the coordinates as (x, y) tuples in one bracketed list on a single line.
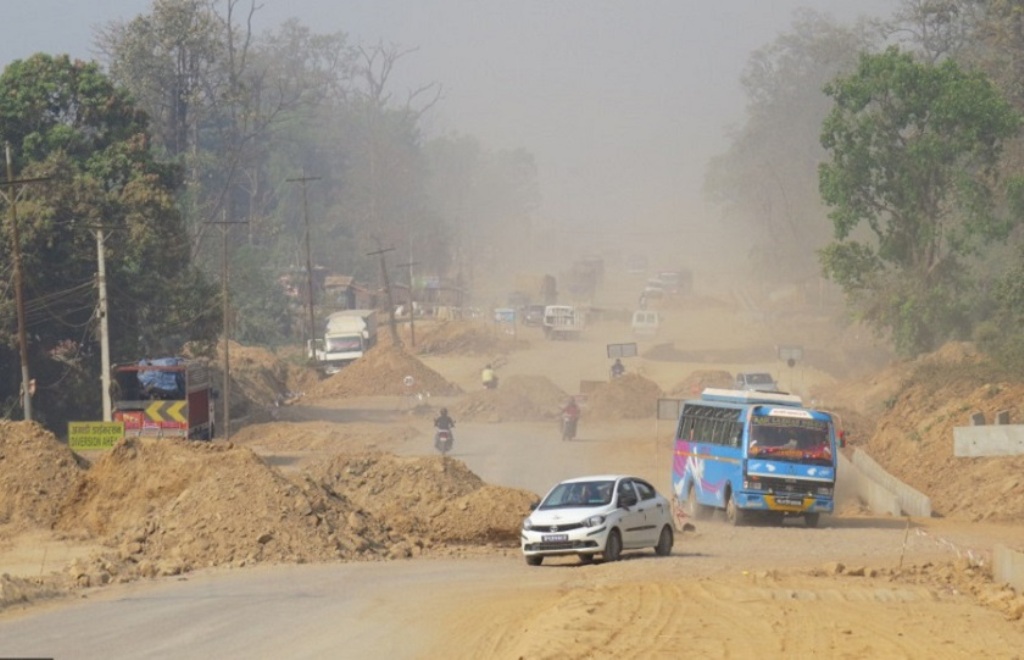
[(68, 121), (913, 189)]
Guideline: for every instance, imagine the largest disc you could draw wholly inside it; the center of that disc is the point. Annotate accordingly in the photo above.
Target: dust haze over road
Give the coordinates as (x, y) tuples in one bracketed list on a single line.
[(621, 103)]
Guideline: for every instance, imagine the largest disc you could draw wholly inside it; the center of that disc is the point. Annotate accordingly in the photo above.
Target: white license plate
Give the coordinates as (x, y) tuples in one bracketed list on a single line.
[(555, 538), (790, 501)]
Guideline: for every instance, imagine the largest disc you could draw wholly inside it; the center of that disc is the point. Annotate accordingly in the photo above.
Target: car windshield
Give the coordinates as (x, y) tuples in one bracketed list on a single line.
[(760, 379), (579, 493), (335, 344), (785, 438)]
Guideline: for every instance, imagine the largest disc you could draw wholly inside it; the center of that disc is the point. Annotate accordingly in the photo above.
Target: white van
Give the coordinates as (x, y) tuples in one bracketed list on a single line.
[(646, 322)]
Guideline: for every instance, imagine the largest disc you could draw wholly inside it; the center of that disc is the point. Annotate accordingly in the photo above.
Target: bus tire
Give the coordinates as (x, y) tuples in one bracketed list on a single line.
[(695, 509), (733, 514), (811, 519)]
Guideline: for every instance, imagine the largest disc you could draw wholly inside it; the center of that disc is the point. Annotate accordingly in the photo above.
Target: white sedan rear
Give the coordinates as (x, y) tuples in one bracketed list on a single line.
[(603, 514)]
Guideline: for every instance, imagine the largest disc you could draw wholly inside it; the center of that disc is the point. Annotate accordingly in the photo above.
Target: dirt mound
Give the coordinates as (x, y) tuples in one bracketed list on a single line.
[(382, 372), (37, 474), (466, 338), (518, 398), (431, 500), (198, 504), (697, 381), (630, 397), (352, 437), (914, 441)]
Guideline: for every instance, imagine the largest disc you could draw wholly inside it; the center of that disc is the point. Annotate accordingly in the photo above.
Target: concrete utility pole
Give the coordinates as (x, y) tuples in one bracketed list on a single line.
[(387, 291), (27, 386), (309, 258), (101, 282)]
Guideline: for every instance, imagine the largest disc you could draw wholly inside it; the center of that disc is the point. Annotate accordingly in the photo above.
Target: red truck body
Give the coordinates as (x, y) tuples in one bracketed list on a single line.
[(167, 398)]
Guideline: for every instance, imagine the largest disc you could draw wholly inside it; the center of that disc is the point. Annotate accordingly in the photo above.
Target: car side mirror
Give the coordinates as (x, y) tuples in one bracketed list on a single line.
[(534, 505), (626, 500)]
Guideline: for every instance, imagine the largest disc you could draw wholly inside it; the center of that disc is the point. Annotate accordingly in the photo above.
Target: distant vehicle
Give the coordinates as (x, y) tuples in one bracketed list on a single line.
[(533, 315), (654, 289), (646, 322), (676, 282), (754, 453), (595, 515), (169, 397), (563, 322), (756, 381), (347, 336)]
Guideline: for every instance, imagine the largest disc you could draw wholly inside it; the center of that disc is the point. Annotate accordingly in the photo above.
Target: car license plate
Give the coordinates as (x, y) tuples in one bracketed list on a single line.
[(555, 538)]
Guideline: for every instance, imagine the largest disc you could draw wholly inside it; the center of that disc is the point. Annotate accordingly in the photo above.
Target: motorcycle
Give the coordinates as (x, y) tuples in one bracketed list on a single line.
[(491, 384), (568, 427), (443, 441)]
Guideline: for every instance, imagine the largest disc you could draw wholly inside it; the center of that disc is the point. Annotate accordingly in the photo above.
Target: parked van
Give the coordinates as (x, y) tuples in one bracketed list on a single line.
[(646, 322)]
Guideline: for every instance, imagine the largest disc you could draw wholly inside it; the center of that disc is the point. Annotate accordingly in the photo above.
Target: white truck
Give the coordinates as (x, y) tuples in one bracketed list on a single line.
[(563, 322), (348, 335)]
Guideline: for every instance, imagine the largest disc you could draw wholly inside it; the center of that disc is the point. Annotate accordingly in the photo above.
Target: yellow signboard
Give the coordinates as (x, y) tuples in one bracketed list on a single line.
[(94, 435)]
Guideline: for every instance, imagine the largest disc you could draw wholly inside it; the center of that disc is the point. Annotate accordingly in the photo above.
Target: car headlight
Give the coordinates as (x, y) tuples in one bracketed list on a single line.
[(593, 521), (527, 525)]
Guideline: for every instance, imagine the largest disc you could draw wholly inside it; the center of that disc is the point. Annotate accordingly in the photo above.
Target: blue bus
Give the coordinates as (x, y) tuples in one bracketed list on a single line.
[(754, 454)]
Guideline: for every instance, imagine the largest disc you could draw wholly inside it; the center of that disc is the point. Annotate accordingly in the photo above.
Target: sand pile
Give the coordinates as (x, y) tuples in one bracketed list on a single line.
[(37, 474), (630, 397), (382, 372), (198, 504), (429, 500), (518, 398), (467, 338), (699, 380)]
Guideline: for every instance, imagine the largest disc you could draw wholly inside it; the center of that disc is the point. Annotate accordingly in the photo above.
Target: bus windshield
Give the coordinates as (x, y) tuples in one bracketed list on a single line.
[(789, 438)]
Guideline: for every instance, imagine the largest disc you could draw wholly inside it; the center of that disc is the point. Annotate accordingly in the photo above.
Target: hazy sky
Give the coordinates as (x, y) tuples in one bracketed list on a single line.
[(621, 101)]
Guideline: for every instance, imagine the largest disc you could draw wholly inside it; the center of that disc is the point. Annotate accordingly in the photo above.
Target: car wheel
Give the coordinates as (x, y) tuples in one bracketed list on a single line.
[(664, 547), (811, 519), (696, 510), (735, 515), (534, 560), (613, 547)]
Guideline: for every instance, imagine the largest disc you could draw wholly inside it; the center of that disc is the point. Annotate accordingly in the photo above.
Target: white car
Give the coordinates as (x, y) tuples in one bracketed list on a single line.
[(603, 515)]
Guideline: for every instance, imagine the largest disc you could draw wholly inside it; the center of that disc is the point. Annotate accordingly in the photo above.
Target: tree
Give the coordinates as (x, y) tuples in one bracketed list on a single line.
[(913, 189), (68, 121), (767, 181)]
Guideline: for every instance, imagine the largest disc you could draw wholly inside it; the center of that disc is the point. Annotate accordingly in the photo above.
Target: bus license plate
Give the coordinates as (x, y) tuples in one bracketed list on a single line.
[(555, 538), (790, 501)]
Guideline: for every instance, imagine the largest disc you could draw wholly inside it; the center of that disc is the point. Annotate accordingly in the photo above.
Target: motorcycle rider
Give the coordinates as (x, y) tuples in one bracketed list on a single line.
[(443, 423), (489, 378), (570, 416)]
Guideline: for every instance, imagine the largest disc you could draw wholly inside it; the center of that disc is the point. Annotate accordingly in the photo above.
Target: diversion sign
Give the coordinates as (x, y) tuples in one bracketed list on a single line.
[(94, 435)]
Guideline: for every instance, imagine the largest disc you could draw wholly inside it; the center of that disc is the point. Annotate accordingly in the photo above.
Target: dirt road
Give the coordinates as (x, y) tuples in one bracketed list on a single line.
[(766, 591), (857, 587)]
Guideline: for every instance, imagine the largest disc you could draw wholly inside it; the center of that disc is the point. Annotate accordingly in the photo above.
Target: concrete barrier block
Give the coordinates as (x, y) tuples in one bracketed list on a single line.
[(996, 440), (911, 502), (977, 419), (1008, 567)]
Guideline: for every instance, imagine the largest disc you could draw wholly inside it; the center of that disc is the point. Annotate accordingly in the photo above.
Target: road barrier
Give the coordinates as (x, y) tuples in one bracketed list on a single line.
[(911, 502)]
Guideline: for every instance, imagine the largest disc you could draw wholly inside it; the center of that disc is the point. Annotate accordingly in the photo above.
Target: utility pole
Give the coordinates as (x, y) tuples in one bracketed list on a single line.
[(309, 258), (19, 295), (101, 282), (395, 339), (226, 321), (412, 304)]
